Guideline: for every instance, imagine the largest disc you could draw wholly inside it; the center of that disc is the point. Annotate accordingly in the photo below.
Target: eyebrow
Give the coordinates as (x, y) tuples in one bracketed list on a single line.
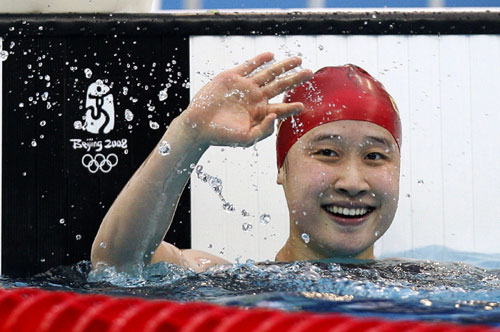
[(380, 140), (326, 137), (337, 138)]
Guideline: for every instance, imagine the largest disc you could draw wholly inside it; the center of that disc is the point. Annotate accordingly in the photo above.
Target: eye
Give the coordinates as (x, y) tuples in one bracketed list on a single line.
[(375, 156), (327, 153)]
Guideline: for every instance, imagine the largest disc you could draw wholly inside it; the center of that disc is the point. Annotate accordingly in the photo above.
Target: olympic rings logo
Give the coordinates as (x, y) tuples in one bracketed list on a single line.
[(99, 162)]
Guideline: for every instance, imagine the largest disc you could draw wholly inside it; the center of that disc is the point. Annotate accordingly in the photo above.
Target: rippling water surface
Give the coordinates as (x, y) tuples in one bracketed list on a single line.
[(393, 289)]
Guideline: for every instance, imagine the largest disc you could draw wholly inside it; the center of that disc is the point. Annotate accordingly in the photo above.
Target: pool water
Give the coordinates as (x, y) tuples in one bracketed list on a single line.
[(390, 289)]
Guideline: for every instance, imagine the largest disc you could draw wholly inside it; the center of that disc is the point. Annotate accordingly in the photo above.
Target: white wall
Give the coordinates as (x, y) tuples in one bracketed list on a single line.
[(75, 6), (1, 152), (447, 91)]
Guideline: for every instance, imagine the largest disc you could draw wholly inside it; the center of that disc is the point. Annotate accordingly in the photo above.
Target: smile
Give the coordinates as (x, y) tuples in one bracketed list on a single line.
[(347, 216), (347, 212)]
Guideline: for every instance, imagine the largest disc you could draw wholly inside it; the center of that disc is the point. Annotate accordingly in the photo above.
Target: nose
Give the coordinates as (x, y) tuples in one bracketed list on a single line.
[(351, 180)]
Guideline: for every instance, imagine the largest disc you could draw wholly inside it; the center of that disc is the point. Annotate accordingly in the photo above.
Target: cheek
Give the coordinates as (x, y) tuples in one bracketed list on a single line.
[(309, 175), (386, 181)]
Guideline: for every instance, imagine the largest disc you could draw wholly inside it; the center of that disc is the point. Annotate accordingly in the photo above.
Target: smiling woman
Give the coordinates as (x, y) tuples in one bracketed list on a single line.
[(339, 165)]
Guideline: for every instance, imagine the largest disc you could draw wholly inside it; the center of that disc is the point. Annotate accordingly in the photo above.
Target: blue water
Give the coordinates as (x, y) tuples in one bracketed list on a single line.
[(391, 289)]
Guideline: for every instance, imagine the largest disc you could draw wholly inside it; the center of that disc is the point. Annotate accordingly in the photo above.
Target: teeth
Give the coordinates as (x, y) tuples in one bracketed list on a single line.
[(346, 211)]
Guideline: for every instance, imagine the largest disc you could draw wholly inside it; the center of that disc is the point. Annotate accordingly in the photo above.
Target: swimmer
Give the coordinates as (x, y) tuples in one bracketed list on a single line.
[(338, 162)]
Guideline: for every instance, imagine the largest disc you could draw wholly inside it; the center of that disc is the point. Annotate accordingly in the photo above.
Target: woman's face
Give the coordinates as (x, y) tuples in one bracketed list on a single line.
[(341, 182)]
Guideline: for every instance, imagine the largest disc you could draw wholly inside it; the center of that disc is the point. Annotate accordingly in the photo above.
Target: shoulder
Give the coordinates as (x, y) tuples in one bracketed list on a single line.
[(196, 260)]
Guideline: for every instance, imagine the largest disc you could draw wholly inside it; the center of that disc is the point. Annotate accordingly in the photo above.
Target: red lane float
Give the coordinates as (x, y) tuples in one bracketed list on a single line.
[(35, 310)]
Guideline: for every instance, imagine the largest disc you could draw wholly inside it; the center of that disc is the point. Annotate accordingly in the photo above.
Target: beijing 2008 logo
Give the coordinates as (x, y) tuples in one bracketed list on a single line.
[(99, 119)]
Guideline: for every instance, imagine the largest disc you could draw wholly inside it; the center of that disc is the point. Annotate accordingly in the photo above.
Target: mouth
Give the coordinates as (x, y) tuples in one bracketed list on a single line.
[(348, 216)]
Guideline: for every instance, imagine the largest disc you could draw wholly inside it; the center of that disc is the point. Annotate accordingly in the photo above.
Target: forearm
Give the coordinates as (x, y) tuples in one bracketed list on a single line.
[(137, 221)]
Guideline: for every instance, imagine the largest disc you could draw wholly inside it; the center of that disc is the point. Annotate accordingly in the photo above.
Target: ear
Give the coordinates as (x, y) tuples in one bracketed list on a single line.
[(279, 178)]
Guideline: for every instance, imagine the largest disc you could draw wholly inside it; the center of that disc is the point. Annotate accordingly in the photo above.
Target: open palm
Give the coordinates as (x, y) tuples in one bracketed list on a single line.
[(233, 109)]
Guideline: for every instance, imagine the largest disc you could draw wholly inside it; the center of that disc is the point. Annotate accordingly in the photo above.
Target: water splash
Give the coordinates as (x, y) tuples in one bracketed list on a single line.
[(163, 94), (247, 227), (265, 218), (164, 148), (129, 116), (154, 125), (394, 289), (88, 72), (216, 184), (305, 237)]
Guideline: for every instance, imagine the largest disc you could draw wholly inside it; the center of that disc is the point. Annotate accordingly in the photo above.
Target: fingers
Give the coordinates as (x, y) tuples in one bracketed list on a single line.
[(278, 86), (285, 109), (263, 129), (254, 63), (269, 74)]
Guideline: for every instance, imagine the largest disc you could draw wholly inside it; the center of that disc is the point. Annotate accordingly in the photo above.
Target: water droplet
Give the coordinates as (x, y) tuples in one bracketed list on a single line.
[(377, 233), (21, 104), (78, 125), (228, 207), (43, 123), (42, 260), (33, 143), (164, 148), (247, 227), (125, 90), (408, 195), (216, 184), (4, 55), (420, 182), (62, 221), (320, 47), (88, 72), (265, 218), (129, 116), (245, 213), (305, 237), (78, 237), (47, 77), (12, 44), (102, 244), (192, 165), (45, 96), (154, 125), (163, 95), (24, 173)]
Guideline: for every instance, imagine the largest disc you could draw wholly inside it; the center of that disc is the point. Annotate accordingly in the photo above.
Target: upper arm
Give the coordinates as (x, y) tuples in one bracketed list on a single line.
[(196, 260)]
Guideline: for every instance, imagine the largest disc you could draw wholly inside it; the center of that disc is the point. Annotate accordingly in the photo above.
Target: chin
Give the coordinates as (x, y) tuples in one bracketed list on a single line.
[(346, 251)]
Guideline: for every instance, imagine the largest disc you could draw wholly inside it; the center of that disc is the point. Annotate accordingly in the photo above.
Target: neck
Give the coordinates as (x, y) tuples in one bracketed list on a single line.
[(297, 250)]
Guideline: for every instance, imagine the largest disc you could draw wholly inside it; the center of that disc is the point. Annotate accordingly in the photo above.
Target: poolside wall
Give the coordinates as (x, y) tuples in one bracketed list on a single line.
[(440, 73)]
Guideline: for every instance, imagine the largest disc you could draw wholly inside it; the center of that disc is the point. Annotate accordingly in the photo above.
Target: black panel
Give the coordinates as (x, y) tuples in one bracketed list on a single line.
[(52, 203), (282, 23)]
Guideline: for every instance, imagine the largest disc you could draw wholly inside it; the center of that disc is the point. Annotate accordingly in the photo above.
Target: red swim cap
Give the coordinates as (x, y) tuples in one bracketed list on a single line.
[(337, 93)]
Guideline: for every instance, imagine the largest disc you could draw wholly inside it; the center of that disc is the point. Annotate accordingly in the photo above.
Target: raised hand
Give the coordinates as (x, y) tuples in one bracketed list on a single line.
[(233, 109)]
